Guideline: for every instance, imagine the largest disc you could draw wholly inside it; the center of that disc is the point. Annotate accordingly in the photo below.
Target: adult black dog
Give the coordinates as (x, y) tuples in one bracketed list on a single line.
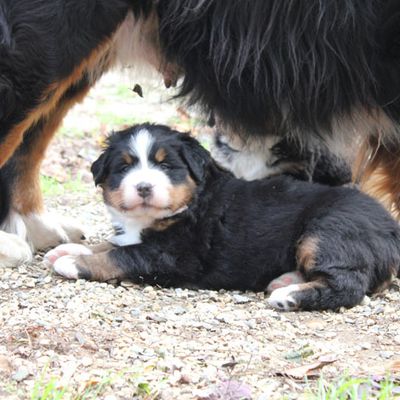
[(181, 220), (301, 70)]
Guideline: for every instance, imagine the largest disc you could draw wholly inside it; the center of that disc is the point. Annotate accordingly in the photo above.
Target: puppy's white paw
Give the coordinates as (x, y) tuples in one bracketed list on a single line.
[(66, 266), (282, 299), (13, 250), (68, 249)]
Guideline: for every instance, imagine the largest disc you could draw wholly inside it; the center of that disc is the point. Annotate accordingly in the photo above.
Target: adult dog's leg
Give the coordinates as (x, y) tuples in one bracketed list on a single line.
[(27, 217)]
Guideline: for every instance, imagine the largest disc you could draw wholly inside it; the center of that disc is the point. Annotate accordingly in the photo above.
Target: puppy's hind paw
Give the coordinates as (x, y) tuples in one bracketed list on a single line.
[(282, 299), (289, 278)]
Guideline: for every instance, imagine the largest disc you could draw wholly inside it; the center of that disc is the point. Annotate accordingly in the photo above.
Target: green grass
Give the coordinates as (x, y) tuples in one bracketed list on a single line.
[(114, 120), (349, 388), (51, 187), (50, 388)]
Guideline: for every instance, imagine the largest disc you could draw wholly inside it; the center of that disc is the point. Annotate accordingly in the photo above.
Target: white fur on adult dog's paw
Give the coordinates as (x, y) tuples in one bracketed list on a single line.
[(68, 249), (66, 266), (13, 250), (282, 298), (47, 230)]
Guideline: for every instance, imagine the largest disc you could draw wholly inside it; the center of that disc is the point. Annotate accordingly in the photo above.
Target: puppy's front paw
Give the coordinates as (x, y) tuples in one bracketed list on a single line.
[(67, 267), (68, 249), (282, 299)]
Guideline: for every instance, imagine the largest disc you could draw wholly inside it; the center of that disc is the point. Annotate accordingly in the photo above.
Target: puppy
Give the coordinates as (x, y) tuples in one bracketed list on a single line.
[(183, 221)]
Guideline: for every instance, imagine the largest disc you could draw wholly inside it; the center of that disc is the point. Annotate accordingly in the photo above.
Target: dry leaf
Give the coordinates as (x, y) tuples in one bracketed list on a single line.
[(138, 90), (392, 367), (308, 370)]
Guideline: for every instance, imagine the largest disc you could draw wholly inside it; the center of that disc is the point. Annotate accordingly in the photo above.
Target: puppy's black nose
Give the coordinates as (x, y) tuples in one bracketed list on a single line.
[(144, 189)]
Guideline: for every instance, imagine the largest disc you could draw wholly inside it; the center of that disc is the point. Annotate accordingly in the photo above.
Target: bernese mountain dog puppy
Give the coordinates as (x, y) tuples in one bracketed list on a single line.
[(181, 220)]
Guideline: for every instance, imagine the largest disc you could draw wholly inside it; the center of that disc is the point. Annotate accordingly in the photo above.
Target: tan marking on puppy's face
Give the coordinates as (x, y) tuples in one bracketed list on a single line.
[(307, 253), (160, 155), (127, 158), (114, 198), (182, 194), (98, 267)]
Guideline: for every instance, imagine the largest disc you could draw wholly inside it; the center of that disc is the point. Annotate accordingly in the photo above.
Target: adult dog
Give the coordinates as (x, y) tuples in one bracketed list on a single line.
[(307, 71), (181, 220)]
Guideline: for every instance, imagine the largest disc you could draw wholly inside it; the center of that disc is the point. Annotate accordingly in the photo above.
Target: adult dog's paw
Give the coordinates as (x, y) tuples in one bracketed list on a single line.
[(67, 267), (283, 299), (68, 249), (46, 230), (13, 250)]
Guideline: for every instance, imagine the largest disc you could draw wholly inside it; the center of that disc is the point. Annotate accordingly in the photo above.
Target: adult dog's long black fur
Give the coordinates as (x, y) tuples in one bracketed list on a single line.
[(303, 69), (296, 65)]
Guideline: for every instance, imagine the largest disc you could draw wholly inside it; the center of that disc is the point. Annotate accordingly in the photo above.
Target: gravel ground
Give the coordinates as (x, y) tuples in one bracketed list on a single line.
[(173, 343), (124, 341)]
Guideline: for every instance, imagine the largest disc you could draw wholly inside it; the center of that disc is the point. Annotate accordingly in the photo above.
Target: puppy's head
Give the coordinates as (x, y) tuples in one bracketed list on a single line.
[(150, 171)]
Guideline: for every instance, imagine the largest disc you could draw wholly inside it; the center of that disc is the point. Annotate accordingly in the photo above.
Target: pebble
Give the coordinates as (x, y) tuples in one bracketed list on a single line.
[(21, 374), (239, 299), (397, 339)]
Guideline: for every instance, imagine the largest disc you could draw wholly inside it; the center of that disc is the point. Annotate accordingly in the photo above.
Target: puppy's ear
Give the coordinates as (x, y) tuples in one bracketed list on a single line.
[(195, 156), (100, 168)]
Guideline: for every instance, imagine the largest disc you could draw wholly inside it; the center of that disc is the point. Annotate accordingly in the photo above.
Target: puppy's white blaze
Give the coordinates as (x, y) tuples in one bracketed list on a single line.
[(282, 298), (145, 172), (66, 266), (140, 145)]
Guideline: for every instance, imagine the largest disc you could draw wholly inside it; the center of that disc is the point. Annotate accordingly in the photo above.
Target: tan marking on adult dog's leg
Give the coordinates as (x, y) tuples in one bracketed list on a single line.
[(380, 176), (51, 97), (27, 196)]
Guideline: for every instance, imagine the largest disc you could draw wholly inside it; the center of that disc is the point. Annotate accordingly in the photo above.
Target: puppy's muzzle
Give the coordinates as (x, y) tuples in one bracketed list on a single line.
[(145, 190)]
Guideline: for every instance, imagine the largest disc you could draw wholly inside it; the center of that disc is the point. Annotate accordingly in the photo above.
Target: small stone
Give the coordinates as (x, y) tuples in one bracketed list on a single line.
[(86, 361), (5, 365), (366, 301), (21, 374), (135, 312), (239, 299), (179, 310), (365, 346), (397, 339), (386, 354)]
